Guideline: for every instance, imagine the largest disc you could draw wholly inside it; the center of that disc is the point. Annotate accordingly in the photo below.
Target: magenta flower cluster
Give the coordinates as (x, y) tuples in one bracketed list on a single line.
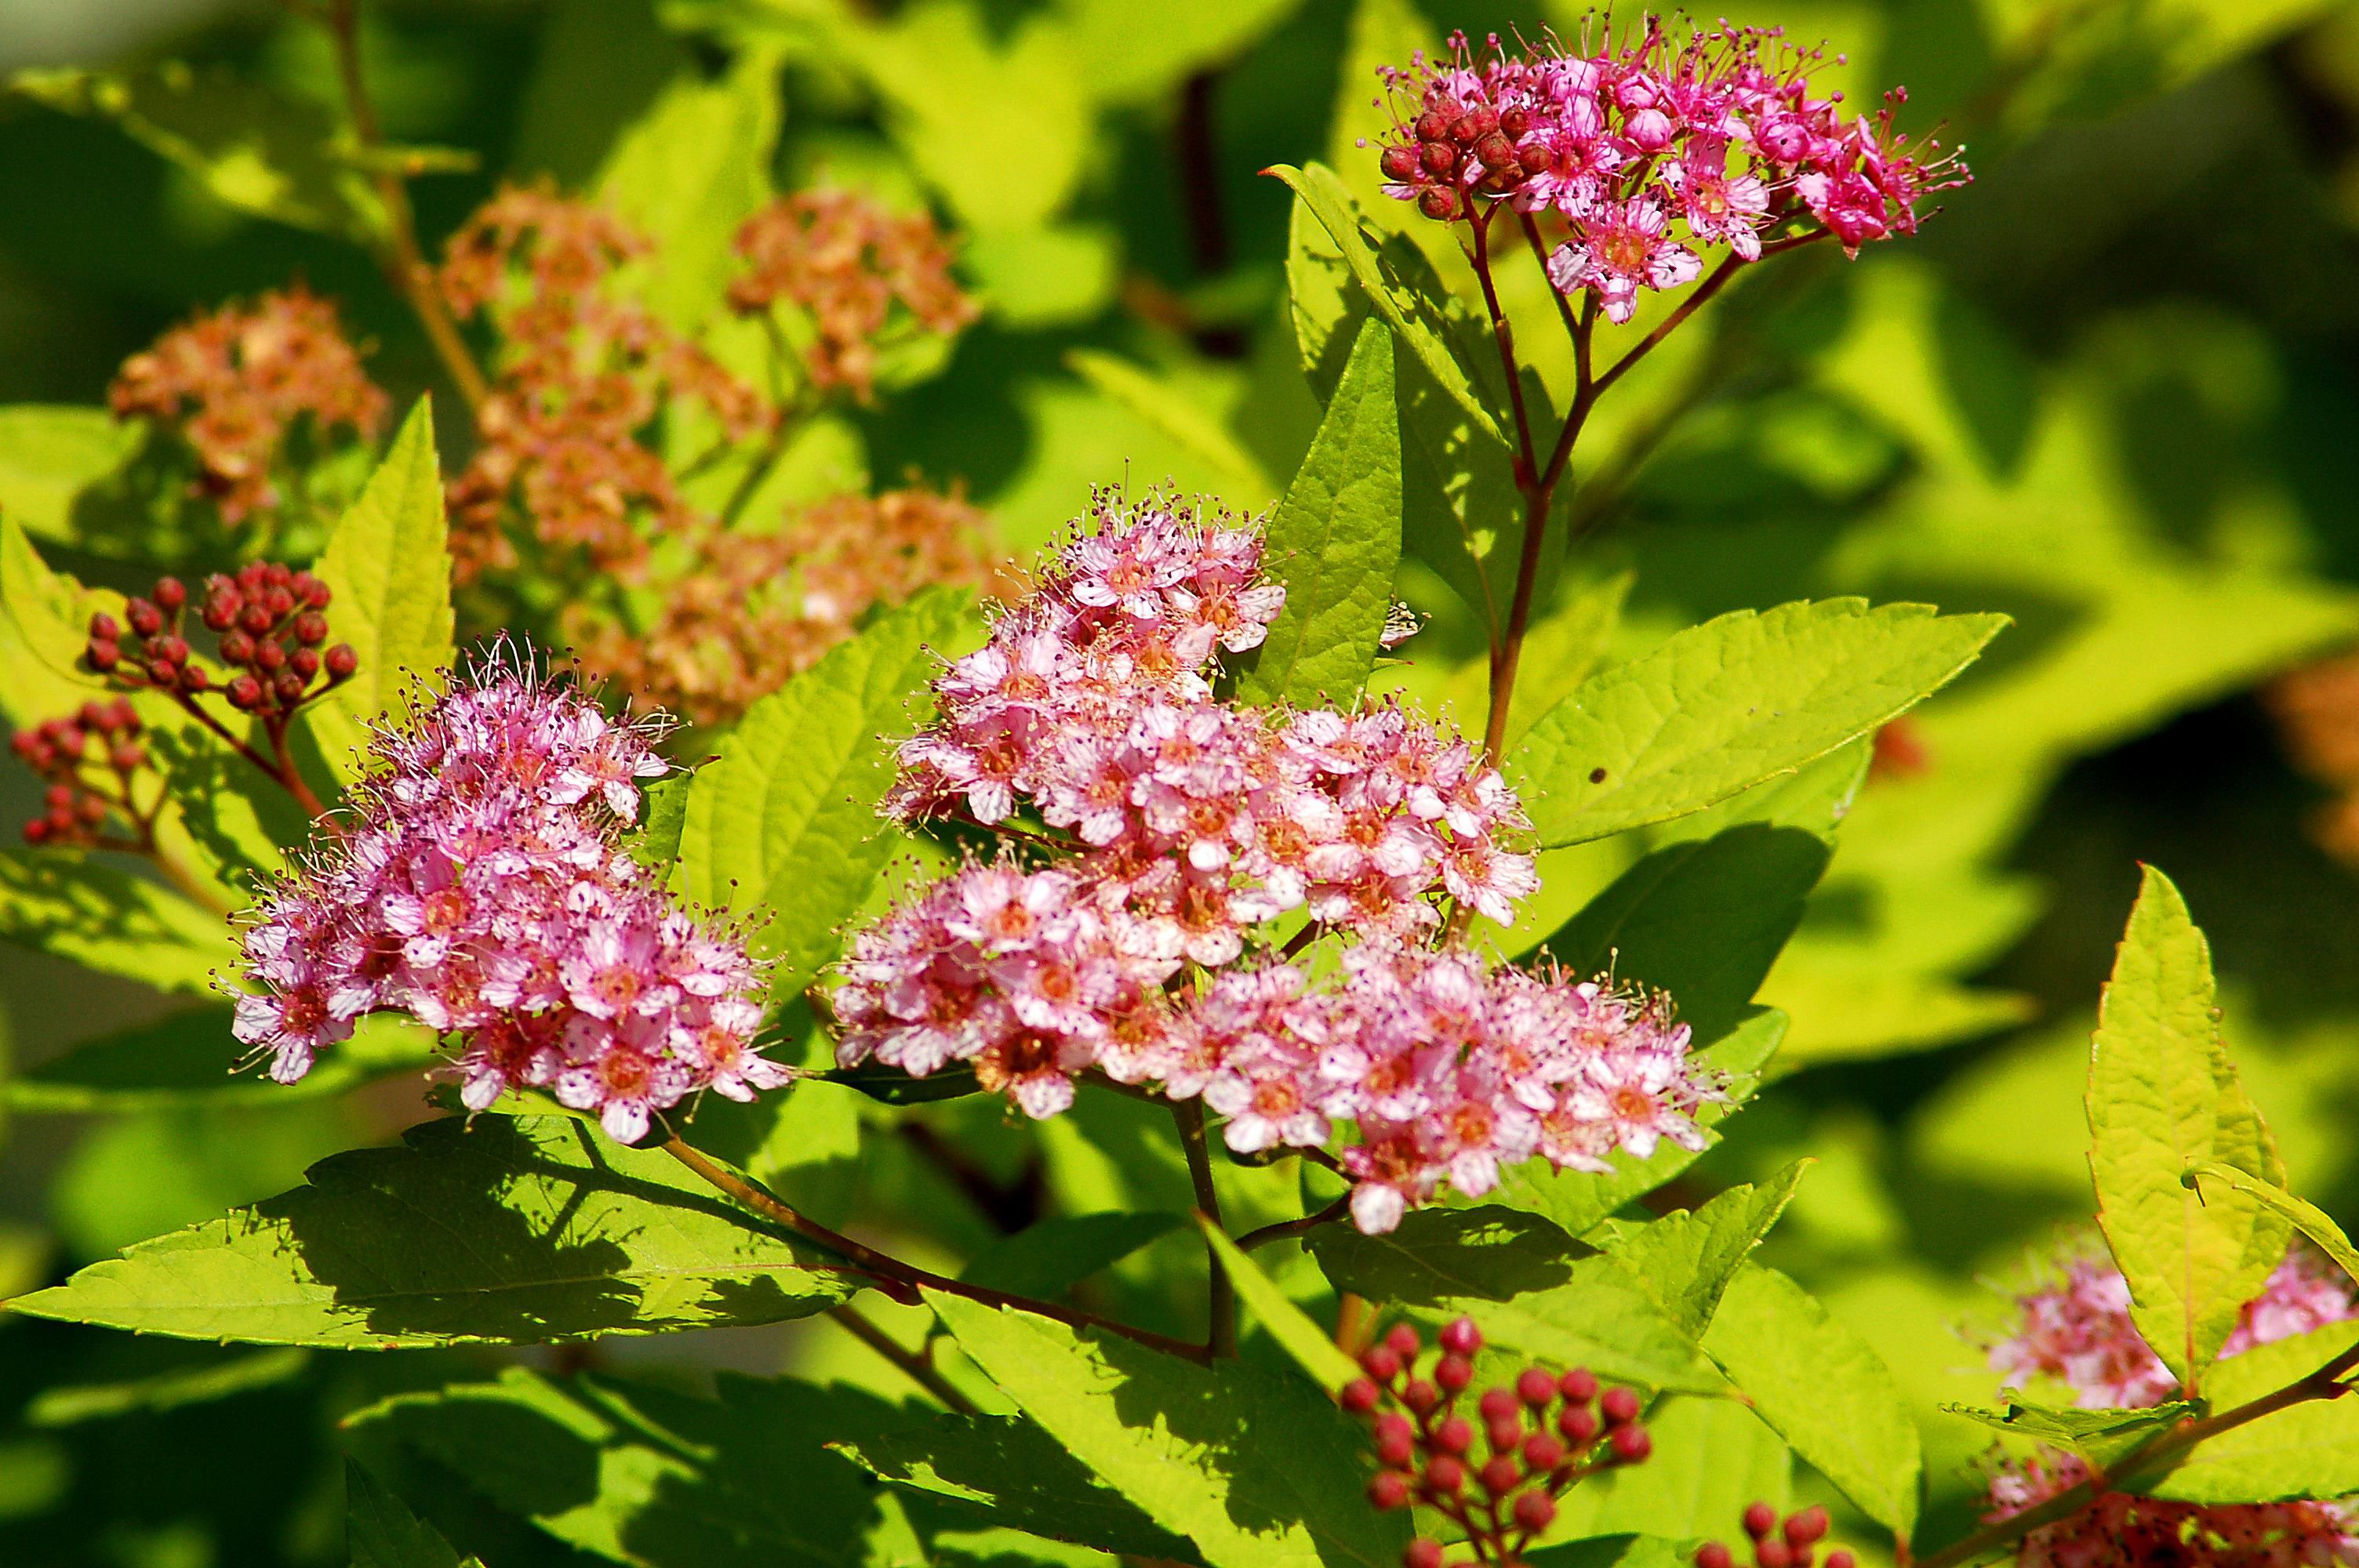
[(2078, 1331), (1181, 840), (1720, 132), (483, 888)]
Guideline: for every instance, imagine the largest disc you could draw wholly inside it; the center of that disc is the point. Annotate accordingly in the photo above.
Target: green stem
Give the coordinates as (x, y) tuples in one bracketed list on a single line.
[(1221, 1339)]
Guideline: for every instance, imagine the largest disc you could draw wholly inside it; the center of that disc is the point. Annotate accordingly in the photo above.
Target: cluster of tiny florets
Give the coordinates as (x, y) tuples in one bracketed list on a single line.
[(1788, 1542), (269, 621), (583, 372), (233, 383), (484, 889), (88, 762), (1142, 938), (1719, 133), (2078, 1331), (1497, 1481), (846, 261), (756, 609)]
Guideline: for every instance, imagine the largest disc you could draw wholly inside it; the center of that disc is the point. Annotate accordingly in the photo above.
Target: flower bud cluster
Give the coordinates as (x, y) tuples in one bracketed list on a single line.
[(1719, 131), (88, 759), (2078, 1331), (846, 260), (484, 889), (270, 621), (1148, 945), (234, 381), (1791, 1543), (1498, 1474)]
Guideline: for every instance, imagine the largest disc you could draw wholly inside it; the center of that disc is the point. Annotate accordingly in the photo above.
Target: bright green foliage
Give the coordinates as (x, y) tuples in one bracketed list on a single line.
[(1296, 1333), (106, 918), (2100, 1437), (72, 1404), (505, 1231), (1025, 1477), (642, 1475), (785, 821), (44, 626), (1687, 1257), (2308, 1449), (387, 562), (1049, 1259), (1602, 1317), (186, 1058), (51, 453), (1712, 1459), (2304, 1216), (1170, 409), (1726, 705), (1435, 1255), (2164, 1097), (1622, 1550), (1335, 540), (259, 152), (383, 1533), (1190, 1445), (1822, 1389)]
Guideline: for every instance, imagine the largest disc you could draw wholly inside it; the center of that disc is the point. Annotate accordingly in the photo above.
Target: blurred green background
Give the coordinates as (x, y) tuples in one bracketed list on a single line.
[(2112, 390)]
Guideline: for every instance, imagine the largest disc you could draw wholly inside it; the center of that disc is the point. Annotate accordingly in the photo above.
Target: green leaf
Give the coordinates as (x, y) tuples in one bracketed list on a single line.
[(2304, 1216), (1619, 1550), (493, 1230), (1703, 919), (2100, 1437), (1049, 1259), (2307, 1449), (1488, 1253), (2163, 1097), (1193, 1445), (1822, 1389), (1335, 540), (663, 817), (1563, 648), (1713, 1458), (381, 1532), (1688, 1258), (189, 1058), (784, 820), (1177, 415), (241, 822), (1289, 1325), (1578, 1200), (1026, 1477), (69, 1404), (44, 626), (649, 1476), (1729, 704), (276, 158), (61, 902), (387, 562), (1602, 1317), (51, 453)]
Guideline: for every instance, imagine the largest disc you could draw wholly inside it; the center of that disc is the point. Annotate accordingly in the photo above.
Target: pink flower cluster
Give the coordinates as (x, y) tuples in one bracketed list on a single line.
[(483, 888), (2078, 1331), (1179, 829), (1719, 131)]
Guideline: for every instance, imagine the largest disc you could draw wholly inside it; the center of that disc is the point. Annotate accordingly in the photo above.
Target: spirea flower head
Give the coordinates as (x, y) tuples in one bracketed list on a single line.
[(2078, 1330), (482, 887), (1139, 936), (1652, 148)]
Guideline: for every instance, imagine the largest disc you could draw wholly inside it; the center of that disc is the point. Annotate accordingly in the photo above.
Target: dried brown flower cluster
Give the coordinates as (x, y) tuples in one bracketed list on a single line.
[(845, 260), (755, 610), (2317, 711), (583, 372), (233, 381)]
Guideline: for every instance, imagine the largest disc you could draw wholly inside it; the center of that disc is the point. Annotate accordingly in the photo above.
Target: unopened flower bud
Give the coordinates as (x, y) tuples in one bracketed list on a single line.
[(316, 593), (1496, 152), (103, 656), (1542, 1452), (169, 592), (1460, 1337), (1422, 1553), (1432, 125), (1404, 1341), (90, 809), (342, 662), (280, 602), (1395, 1441), (236, 648), (1439, 204), (145, 618), (1438, 157), (1840, 1559), (270, 657), (1619, 1405), (1534, 1388), (1420, 1396), (1505, 1435), (1773, 1552), (255, 619), (57, 794), (310, 628), (193, 678), (104, 628), (61, 820), (1454, 1435), (1806, 1527), (1501, 1476), (1446, 1473), (288, 688), (1400, 163), (163, 672), (1631, 1443), (1533, 159), (1498, 1404), (1388, 1491), (37, 831), (304, 662), (1579, 1425), (1534, 1511), (1760, 1519), (171, 650), (1359, 1395), (244, 692), (122, 718), (127, 756), (1453, 1372), (1579, 1384), (1712, 1555), (1378, 1361), (1515, 122)]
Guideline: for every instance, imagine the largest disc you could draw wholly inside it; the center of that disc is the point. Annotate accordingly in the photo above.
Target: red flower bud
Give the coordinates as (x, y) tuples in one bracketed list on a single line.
[(1359, 1395), (1501, 1476), (37, 831), (1404, 1341), (1400, 163), (312, 627), (1421, 1553), (163, 672), (1460, 1337), (1712, 1555), (255, 619), (1454, 1435), (1439, 204), (103, 629), (1515, 122), (169, 592), (1496, 152), (1760, 1519), (57, 794), (270, 657), (315, 593), (1577, 1425), (1840, 1559), (236, 648), (1395, 1440), (289, 688), (244, 692), (1542, 1452), (1379, 1361), (1505, 1435), (1532, 159), (1804, 1527), (304, 662), (342, 662), (280, 602), (193, 677), (1445, 1475), (171, 650), (277, 574), (1432, 125), (1631, 1443), (1498, 1404), (1534, 1388), (1534, 1511), (127, 756), (145, 618), (103, 656), (1420, 1396), (1620, 1405), (1438, 157), (1579, 1384), (1388, 1491), (1774, 1553), (1453, 1372), (90, 809), (122, 717)]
